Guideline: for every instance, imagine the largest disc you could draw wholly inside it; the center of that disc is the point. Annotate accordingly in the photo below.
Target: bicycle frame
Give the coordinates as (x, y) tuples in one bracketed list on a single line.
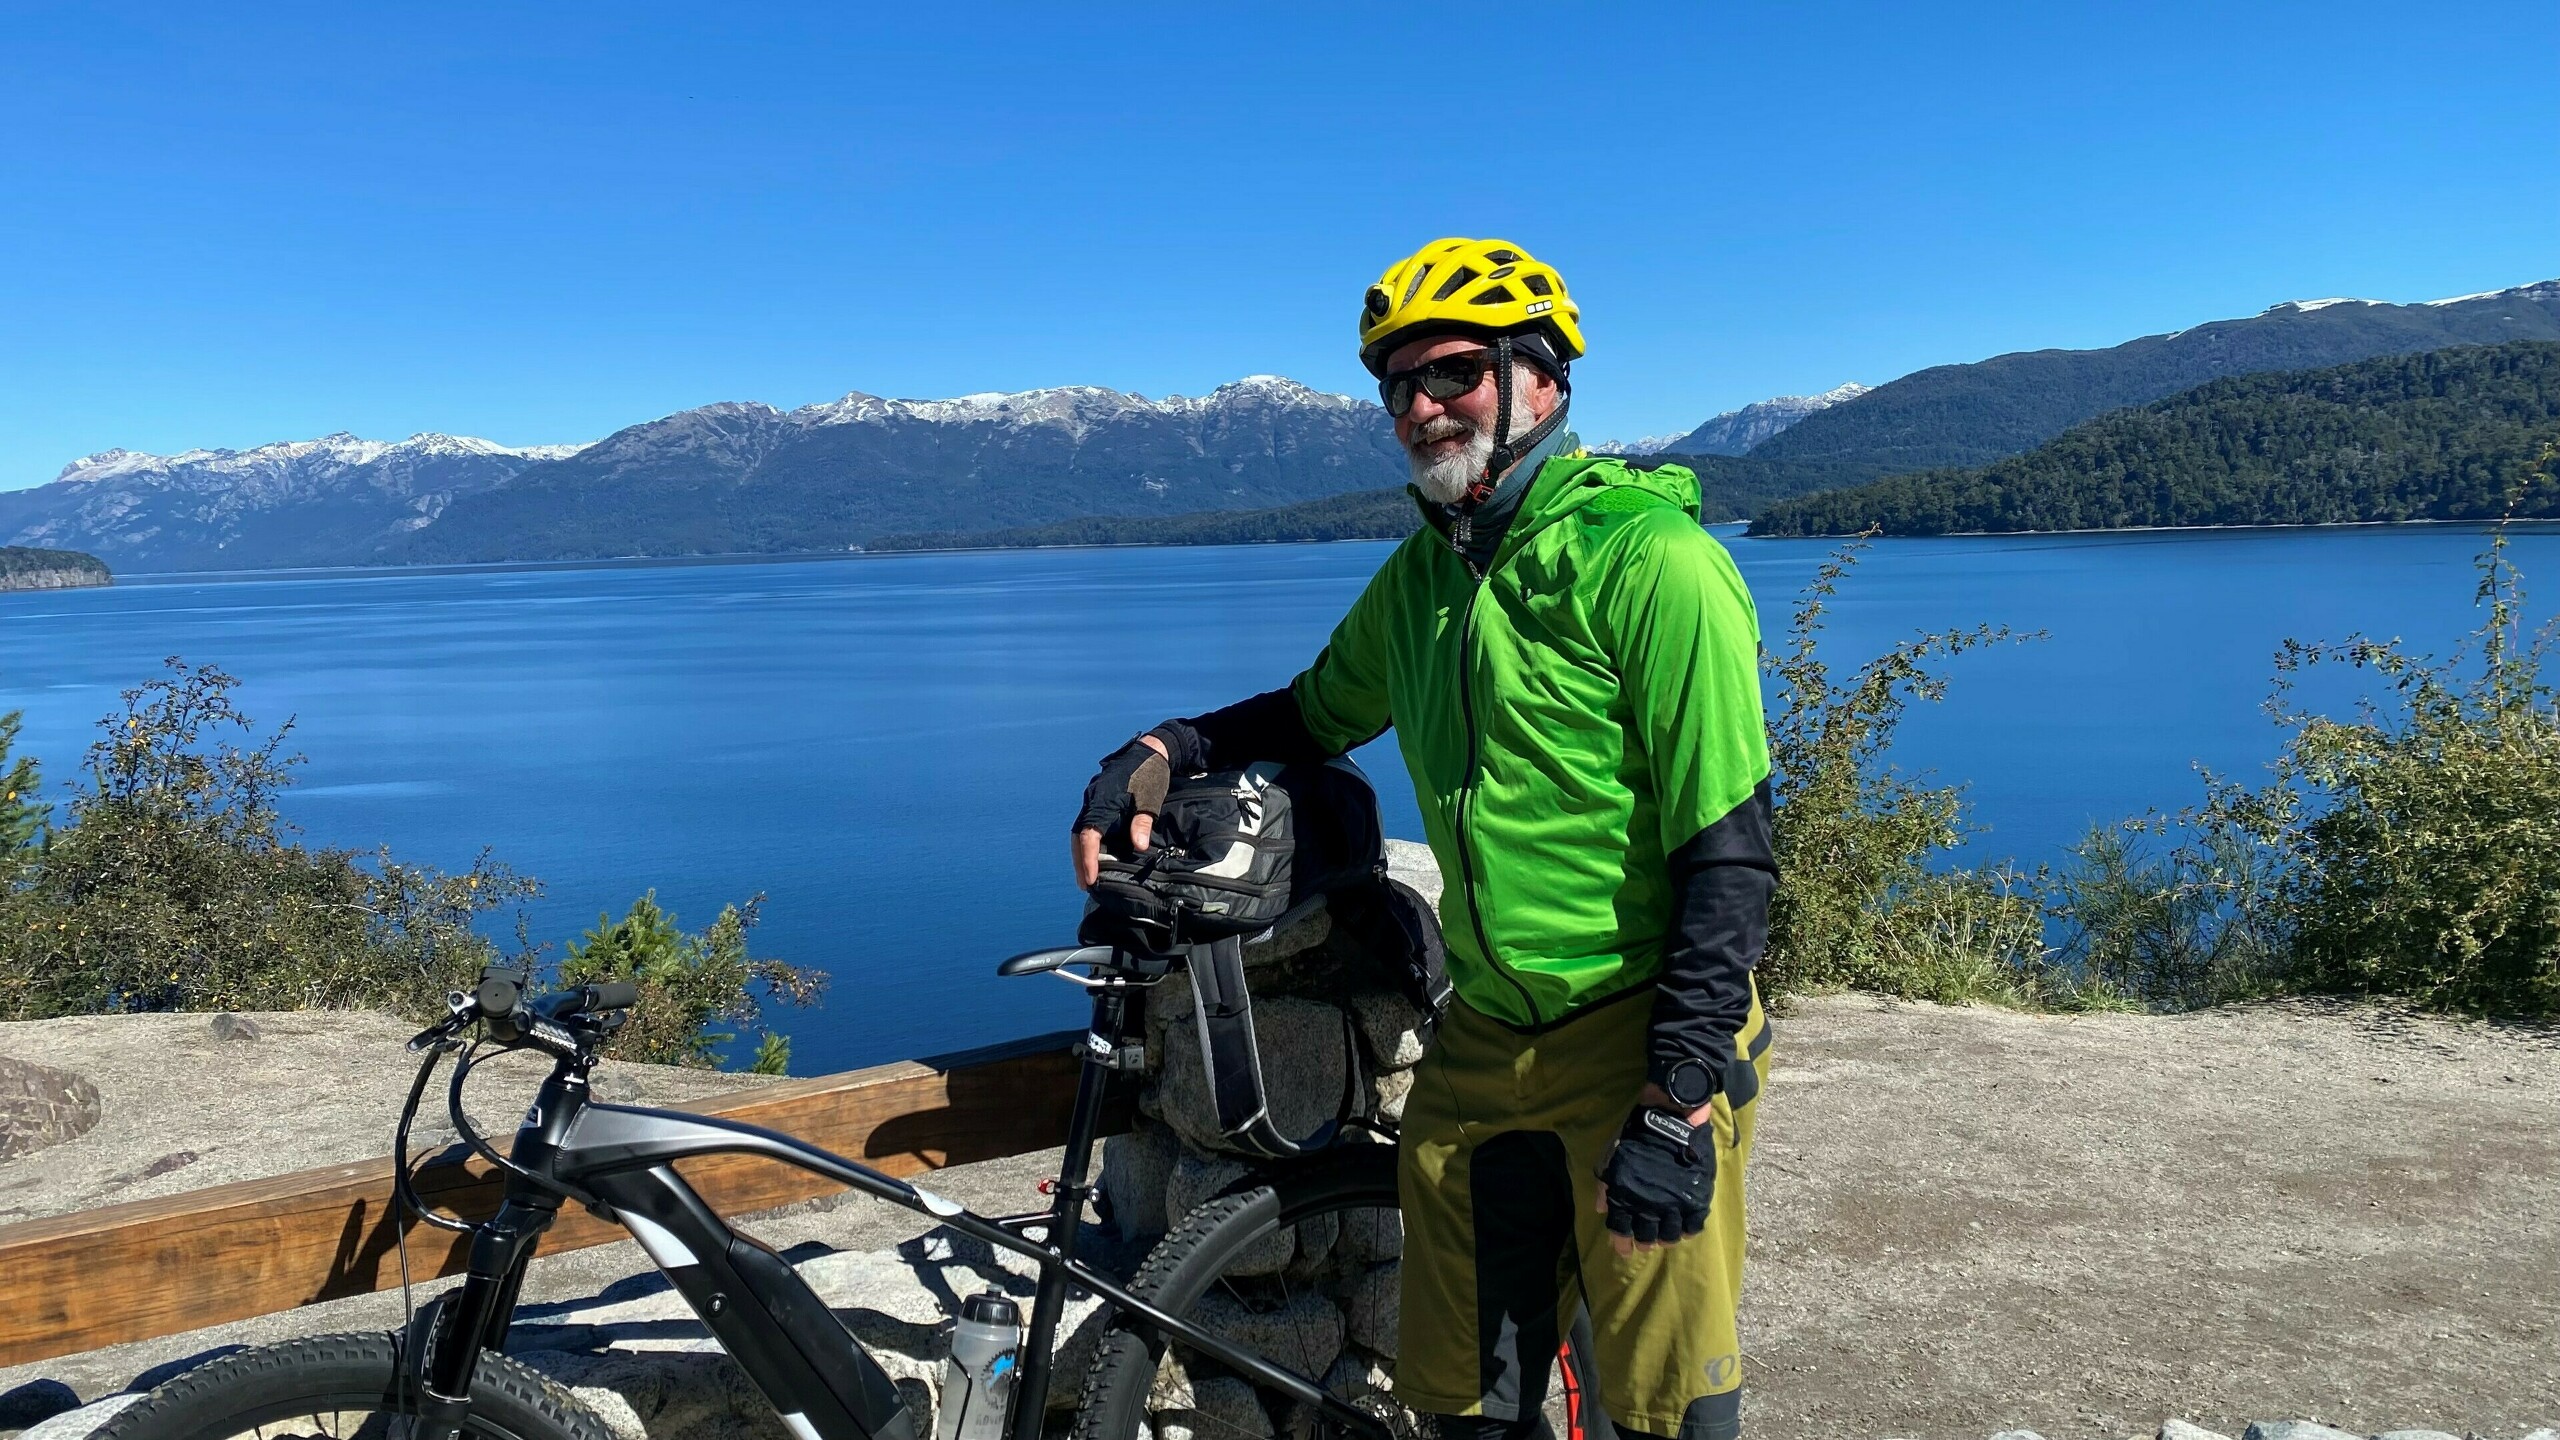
[(620, 1161)]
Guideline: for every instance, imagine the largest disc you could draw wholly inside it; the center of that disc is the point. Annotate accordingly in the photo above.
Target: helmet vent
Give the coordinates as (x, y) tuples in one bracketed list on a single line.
[(1420, 273), (1457, 278), (1502, 273), (1498, 295), (1503, 257), (1537, 284)]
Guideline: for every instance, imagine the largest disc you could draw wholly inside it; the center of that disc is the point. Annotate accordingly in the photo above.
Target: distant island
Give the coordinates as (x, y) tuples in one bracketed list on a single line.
[(2434, 436), (26, 568)]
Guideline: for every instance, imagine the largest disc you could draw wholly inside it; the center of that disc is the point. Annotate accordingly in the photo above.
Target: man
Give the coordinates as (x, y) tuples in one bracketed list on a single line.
[(1571, 667)]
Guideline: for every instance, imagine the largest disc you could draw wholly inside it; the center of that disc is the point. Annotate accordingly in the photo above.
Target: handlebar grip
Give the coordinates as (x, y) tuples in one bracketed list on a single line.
[(608, 995), (497, 996)]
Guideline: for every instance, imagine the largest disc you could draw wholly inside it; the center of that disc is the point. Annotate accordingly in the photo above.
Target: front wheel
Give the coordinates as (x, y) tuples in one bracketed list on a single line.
[(338, 1387)]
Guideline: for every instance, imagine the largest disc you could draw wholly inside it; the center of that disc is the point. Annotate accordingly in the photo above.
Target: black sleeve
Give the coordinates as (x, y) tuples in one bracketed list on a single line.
[(1721, 881), (1265, 727)]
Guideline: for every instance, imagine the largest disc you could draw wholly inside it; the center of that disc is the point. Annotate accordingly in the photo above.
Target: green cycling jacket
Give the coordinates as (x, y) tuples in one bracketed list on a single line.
[(1584, 708)]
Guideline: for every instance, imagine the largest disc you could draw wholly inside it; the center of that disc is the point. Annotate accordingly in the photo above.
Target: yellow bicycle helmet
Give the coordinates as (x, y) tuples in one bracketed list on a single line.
[(1489, 287)]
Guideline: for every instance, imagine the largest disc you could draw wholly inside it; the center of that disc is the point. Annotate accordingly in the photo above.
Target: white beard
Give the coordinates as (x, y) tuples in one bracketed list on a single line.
[(1444, 481)]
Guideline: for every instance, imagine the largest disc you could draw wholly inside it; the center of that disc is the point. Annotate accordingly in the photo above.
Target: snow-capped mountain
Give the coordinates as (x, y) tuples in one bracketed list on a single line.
[(1646, 445), (296, 502), (736, 476), (1735, 431), (747, 477)]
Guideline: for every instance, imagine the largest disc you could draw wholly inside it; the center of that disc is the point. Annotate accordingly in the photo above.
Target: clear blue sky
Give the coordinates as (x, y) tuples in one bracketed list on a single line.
[(222, 225)]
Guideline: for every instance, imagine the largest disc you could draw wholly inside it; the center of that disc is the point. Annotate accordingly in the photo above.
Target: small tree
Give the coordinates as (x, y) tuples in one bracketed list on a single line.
[(688, 983), (1859, 902), (22, 816), (2419, 843), (174, 884), (2412, 850)]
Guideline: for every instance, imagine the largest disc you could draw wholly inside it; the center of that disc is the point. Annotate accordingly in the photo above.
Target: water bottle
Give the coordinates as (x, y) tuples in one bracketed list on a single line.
[(977, 1381)]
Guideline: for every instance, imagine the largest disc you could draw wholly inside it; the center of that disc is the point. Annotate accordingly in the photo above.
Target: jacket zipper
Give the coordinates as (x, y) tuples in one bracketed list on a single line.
[(1466, 791)]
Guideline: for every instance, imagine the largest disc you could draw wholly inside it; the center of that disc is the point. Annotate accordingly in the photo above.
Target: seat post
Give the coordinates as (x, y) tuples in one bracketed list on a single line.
[(1066, 1210)]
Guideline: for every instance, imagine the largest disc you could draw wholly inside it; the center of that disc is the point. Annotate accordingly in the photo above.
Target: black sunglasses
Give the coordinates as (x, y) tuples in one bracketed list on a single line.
[(1446, 378)]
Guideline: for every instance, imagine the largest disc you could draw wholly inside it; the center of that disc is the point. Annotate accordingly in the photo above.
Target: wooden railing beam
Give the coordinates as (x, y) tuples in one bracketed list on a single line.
[(93, 1278)]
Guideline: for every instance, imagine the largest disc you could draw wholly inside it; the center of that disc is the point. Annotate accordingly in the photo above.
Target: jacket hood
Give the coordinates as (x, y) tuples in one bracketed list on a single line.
[(1567, 484)]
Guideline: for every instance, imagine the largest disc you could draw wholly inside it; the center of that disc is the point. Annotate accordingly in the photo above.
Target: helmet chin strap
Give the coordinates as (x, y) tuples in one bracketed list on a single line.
[(1506, 451)]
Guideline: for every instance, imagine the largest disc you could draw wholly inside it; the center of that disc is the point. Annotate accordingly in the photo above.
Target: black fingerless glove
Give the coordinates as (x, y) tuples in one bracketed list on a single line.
[(1660, 1177), (1131, 782)]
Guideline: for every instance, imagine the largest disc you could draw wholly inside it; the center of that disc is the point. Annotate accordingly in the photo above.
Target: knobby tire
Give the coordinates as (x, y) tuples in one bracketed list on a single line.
[(255, 1391)]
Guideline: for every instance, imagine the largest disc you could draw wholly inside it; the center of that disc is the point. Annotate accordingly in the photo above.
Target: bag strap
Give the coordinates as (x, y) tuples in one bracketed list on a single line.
[(1223, 1006)]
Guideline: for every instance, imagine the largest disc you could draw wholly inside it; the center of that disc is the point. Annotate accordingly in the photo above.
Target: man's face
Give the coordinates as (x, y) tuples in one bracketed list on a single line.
[(1449, 442)]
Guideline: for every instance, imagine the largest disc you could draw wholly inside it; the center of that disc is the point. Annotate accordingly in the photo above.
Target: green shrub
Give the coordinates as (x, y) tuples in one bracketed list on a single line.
[(2410, 851), (688, 984), (22, 815), (1859, 901), (173, 883), (2159, 924)]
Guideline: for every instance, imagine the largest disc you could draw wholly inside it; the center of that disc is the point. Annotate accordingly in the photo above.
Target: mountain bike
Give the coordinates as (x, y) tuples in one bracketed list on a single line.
[(448, 1376)]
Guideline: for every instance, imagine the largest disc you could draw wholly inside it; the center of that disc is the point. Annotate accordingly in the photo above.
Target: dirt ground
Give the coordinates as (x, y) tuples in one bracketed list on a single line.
[(1967, 1220), (1963, 1221)]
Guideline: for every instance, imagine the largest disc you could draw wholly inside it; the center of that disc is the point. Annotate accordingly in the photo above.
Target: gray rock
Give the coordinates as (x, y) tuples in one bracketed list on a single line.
[(227, 1026), (2293, 1430), (41, 1106), (1305, 1333), (2181, 1430), (1223, 1408), (81, 1423), (36, 1401), (1195, 1179), (2017, 1435), (1315, 1241), (1387, 1094), (2415, 1435), (1295, 936), (1390, 1027), (1136, 1168), (1411, 861), (1303, 1072), (664, 1395), (1372, 1236), (1371, 1306)]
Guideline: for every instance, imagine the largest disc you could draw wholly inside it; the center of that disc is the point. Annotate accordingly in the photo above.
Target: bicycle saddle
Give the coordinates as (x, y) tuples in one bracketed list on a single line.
[(1041, 962)]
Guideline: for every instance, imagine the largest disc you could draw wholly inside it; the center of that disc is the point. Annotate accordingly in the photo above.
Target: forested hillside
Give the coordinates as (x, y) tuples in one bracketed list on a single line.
[(24, 567), (2436, 436), (1975, 414), (1730, 486)]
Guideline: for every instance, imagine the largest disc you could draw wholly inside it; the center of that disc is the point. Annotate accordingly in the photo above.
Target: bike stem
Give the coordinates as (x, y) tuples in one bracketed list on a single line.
[(1066, 1209)]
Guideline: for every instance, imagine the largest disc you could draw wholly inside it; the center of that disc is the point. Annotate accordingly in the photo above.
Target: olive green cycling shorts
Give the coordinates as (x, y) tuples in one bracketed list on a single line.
[(1498, 1165)]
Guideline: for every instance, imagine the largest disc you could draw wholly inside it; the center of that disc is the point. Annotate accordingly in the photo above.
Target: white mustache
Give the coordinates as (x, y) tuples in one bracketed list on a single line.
[(1443, 427)]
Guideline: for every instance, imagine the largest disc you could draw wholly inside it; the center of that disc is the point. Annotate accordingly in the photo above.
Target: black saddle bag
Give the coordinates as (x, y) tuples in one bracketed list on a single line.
[(1235, 853)]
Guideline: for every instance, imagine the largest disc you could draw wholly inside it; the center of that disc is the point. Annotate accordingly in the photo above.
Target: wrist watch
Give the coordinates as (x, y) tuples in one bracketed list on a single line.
[(1689, 1083)]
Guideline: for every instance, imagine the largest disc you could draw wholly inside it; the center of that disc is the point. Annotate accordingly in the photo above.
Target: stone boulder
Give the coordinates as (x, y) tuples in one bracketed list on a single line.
[(42, 1106)]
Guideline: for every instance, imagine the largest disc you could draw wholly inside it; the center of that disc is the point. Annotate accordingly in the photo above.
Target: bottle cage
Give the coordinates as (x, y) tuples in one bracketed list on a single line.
[(1223, 1007)]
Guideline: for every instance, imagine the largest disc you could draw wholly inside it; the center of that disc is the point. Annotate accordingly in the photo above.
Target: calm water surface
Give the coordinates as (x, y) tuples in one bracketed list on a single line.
[(889, 748)]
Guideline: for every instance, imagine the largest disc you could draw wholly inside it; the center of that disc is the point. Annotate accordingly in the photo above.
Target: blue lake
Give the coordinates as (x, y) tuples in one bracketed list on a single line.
[(889, 748)]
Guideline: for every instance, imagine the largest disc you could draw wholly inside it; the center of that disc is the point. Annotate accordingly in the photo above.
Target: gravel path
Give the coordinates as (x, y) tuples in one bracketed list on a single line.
[(1967, 1220), (1964, 1221)]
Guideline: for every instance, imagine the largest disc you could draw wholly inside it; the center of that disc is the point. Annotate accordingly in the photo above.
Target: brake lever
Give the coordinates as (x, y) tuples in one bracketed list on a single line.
[(445, 1034)]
